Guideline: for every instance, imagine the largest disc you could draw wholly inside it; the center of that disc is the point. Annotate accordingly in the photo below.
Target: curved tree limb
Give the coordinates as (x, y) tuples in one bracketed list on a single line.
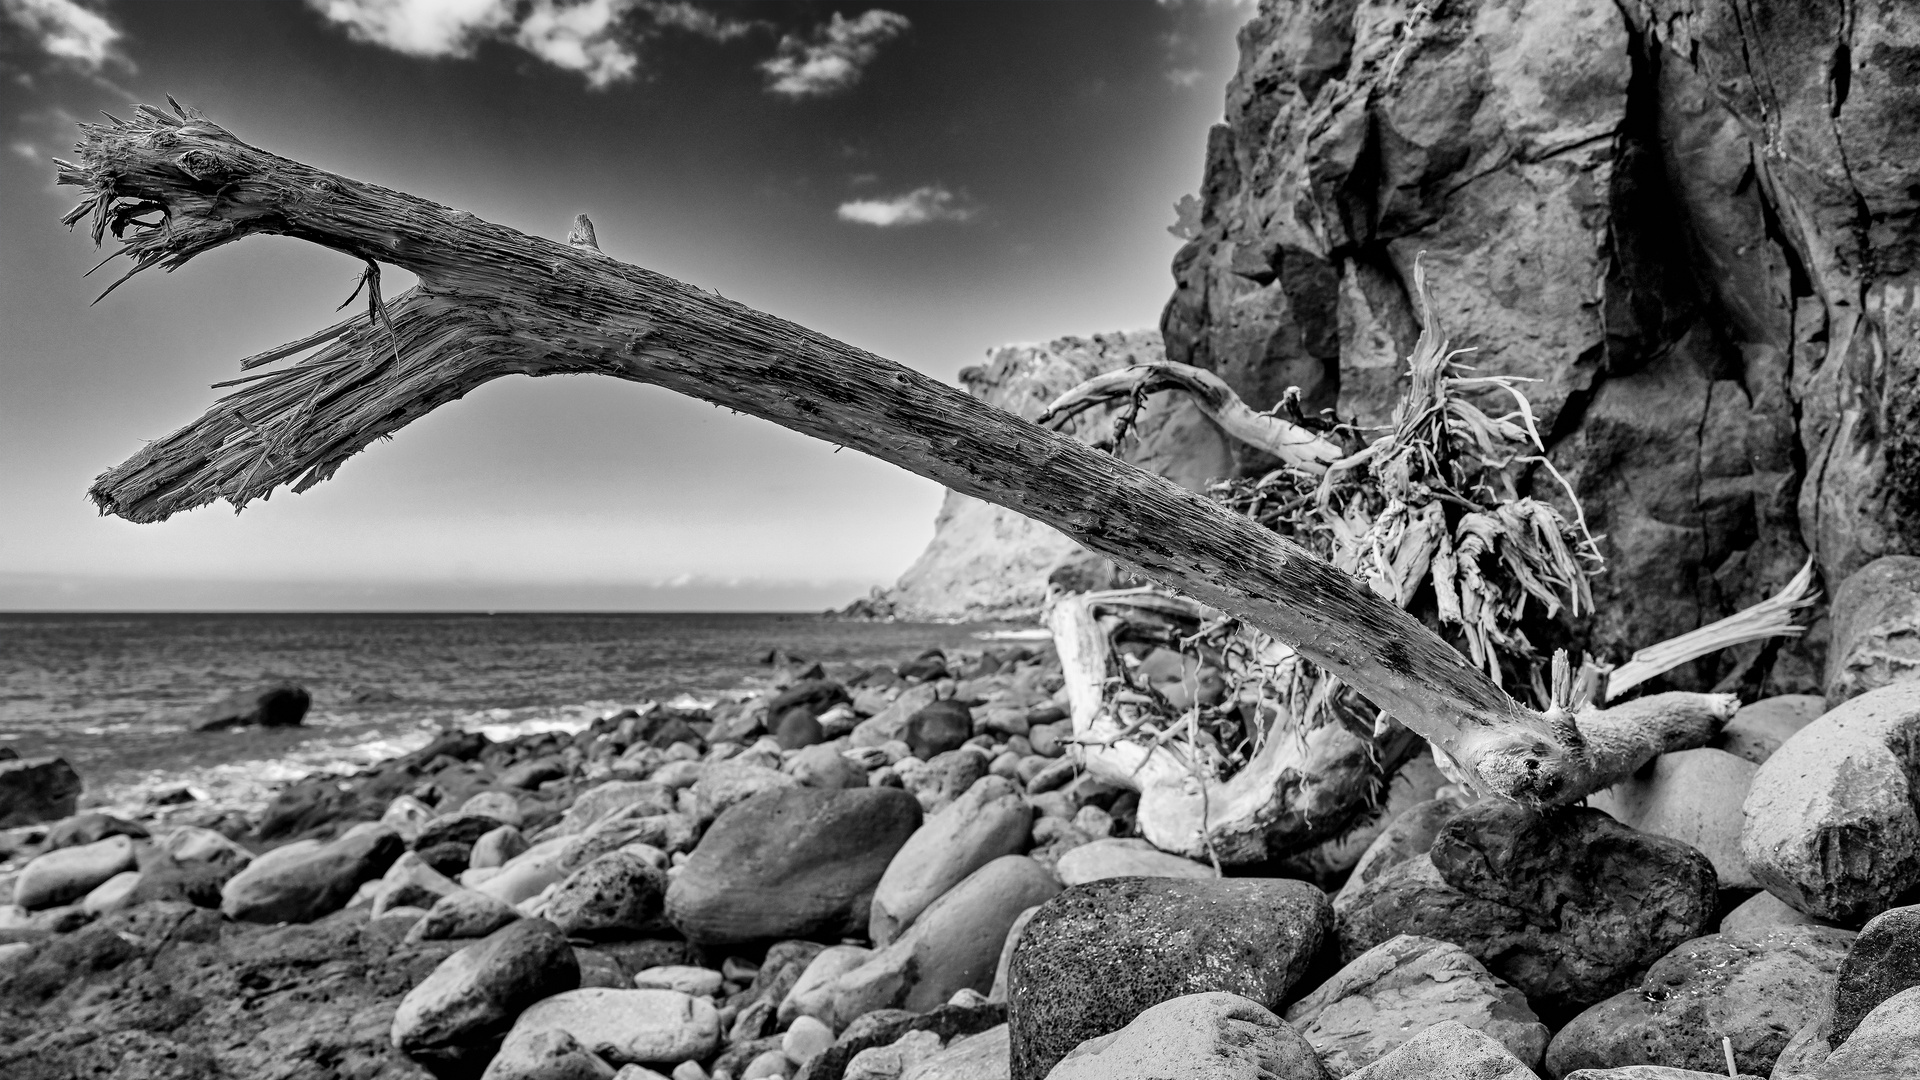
[(1283, 439), (493, 302)]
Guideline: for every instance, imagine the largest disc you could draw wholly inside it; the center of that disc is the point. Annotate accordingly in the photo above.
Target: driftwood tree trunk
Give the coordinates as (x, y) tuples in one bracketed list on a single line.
[(494, 302)]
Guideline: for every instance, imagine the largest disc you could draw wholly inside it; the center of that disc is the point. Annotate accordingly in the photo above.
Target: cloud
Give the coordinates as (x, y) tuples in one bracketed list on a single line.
[(833, 57), (583, 37), (917, 207), (597, 39), (1184, 78), (419, 27), (66, 30)]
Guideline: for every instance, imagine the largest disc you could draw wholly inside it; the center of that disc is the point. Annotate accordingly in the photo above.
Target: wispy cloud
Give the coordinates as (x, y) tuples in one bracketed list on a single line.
[(597, 39), (832, 58), (917, 207), (70, 32)]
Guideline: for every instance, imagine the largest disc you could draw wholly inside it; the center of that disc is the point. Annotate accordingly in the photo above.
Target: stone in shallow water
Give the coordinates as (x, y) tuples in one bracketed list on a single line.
[(1404, 986), (36, 789), (1100, 954), (1214, 1035), (1757, 989)]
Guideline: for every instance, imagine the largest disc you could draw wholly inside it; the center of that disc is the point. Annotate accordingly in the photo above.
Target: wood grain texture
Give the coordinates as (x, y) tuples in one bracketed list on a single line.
[(493, 302)]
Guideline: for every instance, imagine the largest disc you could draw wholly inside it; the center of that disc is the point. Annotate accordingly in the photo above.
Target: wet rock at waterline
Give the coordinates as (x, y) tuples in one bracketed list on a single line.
[(281, 704)]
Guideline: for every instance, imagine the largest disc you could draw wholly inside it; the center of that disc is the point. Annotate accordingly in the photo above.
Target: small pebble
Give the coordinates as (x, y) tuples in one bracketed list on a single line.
[(689, 1070)]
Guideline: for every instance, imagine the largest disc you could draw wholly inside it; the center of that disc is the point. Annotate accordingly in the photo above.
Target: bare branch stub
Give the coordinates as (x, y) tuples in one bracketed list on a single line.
[(494, 302)]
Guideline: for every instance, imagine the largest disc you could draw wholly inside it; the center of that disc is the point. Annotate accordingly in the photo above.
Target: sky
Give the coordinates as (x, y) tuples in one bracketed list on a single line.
[(924, 180)]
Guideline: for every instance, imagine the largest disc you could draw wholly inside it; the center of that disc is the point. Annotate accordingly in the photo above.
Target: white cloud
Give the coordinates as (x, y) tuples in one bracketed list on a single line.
[(584, 37), (916, 207), (419, 27), (598, 39), (834, 56), (66, 30), (1184, 78)]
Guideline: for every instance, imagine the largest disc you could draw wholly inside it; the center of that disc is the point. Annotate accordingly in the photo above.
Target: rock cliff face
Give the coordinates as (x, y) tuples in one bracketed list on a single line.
[(1692, 221), (987, 562)]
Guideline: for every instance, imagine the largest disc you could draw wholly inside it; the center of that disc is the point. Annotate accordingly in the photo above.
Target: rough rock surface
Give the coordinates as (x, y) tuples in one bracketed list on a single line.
[(1883, 960), (1600, 192), (1403, 986), (1098, 955), (36, 789), (1217, 1036), (1876, 628), (1883, 1047), (988, 562), (461, 1012), (1569, 907), (794, 862), (182, 997), (618, 895), (1447, 1051), (1832, 822), (1756, 989)]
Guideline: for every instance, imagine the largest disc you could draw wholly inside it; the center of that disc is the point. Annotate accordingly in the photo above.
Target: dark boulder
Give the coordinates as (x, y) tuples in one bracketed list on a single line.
[(1883, 961), (942, 726), (36, 789), (1568, 906), (280, 704)]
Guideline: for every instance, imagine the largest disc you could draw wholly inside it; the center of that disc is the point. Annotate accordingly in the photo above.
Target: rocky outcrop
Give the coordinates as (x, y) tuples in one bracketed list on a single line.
[(988, 562), (1695, 229)]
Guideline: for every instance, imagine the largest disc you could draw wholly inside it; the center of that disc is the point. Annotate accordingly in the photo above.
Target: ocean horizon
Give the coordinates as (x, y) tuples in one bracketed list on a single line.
[(115, 693)]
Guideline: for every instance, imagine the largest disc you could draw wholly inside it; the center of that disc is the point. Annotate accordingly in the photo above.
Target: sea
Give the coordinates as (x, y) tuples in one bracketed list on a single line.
[(115, 694)]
